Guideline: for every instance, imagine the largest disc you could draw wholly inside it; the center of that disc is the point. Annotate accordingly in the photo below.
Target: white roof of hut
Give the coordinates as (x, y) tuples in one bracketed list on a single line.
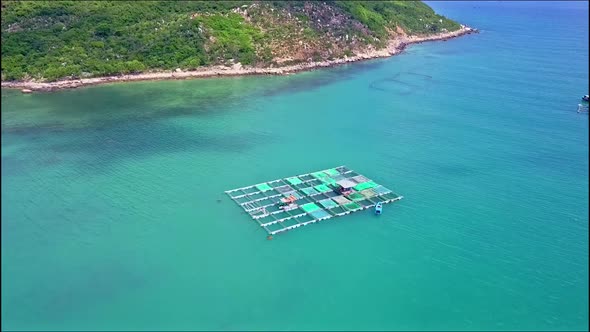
[(346, 183)]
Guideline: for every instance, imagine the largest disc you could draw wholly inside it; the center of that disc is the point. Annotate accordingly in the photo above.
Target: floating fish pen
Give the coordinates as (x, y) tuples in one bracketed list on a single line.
[(284, 204)]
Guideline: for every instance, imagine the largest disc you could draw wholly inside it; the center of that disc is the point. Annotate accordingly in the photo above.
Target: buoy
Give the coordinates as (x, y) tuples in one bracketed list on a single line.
[(269, 237)]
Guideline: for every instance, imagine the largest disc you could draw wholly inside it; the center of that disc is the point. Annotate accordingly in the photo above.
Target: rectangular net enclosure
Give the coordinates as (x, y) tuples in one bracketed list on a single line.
[(263, 187), (322, 188), (309, 207), (295, 201), (294, 180), (328, 203)]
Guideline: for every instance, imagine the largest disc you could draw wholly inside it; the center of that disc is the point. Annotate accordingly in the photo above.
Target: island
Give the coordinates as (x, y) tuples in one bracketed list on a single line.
[(49, 45)]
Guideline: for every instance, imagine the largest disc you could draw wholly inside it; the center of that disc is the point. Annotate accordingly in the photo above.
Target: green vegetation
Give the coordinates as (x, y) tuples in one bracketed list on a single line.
[(234, 38), (50, 40), (413, 16)]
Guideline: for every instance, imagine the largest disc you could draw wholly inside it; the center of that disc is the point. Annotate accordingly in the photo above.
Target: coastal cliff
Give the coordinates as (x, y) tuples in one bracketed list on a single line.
[(66, 44)]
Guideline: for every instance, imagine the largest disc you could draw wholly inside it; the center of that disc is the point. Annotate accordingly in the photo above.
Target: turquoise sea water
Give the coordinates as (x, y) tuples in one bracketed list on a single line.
[(114, 216)]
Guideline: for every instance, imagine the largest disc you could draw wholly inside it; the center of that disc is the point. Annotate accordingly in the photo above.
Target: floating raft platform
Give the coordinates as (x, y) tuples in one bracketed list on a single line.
[(318, 198)]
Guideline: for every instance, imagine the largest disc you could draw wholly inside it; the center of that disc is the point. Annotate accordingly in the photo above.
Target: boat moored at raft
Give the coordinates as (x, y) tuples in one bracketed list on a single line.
[(378, 208)]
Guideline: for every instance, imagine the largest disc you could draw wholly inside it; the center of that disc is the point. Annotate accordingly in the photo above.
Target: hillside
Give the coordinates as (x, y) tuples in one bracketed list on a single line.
[(51, 40)]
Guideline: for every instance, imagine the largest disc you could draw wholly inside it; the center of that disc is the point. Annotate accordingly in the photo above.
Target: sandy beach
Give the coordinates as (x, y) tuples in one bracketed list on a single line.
[(395, 47)]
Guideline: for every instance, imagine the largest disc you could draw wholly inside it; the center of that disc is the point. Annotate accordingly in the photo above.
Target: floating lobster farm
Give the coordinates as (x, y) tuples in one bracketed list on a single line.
[(288, 203)]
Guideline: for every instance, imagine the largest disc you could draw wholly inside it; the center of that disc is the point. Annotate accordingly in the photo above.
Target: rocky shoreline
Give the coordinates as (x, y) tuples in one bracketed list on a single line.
[(395, 47)]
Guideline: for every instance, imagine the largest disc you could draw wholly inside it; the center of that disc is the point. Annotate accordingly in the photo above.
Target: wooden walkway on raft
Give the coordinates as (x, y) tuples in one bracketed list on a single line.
[(317, 198)]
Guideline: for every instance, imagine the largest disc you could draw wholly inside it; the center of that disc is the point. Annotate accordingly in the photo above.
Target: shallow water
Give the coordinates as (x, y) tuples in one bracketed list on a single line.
[(111, 216)]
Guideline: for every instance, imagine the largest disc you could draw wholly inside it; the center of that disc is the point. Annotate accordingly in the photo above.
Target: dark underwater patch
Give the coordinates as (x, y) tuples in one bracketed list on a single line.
[(403, 83)]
